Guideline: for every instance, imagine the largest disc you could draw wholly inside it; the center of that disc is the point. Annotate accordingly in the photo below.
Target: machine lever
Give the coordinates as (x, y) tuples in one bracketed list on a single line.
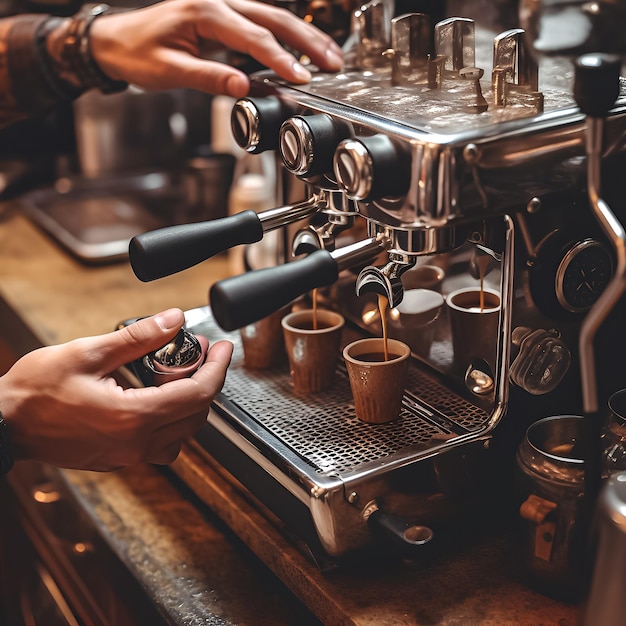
[(412, 540), (166, 251), (241, 300)]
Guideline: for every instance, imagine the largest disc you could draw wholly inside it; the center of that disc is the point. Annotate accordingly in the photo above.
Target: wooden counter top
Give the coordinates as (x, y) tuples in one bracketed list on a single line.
[(179, 551), (60, 298)]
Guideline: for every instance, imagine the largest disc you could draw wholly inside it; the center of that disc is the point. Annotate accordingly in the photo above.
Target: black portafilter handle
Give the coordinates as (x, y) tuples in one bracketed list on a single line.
[(597, 83), (169, 250), (247, 298), (242, 300)]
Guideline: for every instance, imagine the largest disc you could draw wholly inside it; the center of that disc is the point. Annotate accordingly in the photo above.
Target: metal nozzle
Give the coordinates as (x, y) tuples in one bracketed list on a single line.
[(323, 237), (385, 281), (483, 260)]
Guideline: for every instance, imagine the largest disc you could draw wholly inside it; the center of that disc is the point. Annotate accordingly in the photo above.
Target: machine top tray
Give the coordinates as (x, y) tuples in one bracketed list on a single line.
[(447, 111)]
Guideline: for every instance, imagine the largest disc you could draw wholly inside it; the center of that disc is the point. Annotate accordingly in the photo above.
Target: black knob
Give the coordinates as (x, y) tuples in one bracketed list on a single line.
[(255, 123), (596, 83), (372, 167), (247, 298), (307, 143), (166, 251)]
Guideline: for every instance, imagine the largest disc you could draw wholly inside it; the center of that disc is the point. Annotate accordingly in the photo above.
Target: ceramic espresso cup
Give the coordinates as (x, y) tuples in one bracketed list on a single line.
[(415, 319), (377, 384)]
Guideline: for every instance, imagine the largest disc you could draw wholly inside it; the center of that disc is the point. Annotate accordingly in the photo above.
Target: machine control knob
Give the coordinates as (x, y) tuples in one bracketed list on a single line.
[(542, 361), (597, 83), (255, 123), (372, 167), (307, 143)]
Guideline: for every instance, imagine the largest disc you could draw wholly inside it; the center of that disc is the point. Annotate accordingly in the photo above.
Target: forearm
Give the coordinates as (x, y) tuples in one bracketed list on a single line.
[(26, 84), (35, 71)]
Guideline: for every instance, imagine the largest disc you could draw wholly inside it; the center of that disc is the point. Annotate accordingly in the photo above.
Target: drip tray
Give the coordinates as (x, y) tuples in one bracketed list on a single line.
[(95, 219), (322, 429)]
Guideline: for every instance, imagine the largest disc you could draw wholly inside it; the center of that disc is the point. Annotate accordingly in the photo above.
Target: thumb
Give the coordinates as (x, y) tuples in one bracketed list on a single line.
[(138, 339)]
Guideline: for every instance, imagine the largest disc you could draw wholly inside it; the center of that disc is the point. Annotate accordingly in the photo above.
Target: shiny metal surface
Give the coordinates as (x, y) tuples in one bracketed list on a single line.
[(459, 153), (245, 125), (183, 350)]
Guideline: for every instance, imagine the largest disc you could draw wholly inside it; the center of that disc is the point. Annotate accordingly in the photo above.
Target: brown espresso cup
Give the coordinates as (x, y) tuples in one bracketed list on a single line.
[(424, 277), (377, 385), (313, 352), (474, 330), (263, 342), (415, 319)]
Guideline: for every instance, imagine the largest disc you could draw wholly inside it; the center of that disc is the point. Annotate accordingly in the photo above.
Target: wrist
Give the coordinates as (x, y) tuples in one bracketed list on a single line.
[(70, 49)]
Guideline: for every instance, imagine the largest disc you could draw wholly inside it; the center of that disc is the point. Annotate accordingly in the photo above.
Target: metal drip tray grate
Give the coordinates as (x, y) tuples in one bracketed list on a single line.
[(322, 428)]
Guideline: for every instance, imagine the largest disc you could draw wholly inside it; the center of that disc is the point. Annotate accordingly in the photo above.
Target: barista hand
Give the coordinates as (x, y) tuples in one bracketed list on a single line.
[(159, 47), (63, 406)]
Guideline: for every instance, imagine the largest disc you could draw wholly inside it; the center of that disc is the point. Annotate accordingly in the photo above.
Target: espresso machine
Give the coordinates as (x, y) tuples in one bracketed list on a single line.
[(443, 145)]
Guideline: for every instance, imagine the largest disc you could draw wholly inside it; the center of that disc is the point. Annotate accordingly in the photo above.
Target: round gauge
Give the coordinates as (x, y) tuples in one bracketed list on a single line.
[(582, 275)]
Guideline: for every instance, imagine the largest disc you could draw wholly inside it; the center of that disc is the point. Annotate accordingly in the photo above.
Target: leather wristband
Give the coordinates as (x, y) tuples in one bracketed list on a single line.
[(76, 54), (6, 453)]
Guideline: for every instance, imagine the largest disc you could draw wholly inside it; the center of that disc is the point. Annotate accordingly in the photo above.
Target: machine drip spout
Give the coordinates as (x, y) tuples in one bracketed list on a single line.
[(482, 261), (385, 281)]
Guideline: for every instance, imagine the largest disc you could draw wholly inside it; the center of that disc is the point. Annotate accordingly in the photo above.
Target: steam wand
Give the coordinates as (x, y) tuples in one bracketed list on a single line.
[(596, 89)]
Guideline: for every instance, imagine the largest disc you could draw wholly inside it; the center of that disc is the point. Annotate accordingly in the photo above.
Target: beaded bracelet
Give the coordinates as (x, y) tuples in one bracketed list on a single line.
[(76, 52)]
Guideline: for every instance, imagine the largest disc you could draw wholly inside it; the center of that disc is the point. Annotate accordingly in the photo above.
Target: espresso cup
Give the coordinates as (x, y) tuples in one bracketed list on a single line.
[(424, 277), (474, 330), (414, 320), (377, 384), (313, 352), (263, 342)]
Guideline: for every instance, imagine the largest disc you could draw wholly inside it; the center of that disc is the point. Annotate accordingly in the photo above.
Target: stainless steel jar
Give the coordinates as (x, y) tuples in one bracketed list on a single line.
[(549, 482), (607, 598)]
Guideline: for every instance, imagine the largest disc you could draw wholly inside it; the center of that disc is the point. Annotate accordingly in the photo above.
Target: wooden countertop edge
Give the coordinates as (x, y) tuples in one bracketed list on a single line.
[(242, 513)]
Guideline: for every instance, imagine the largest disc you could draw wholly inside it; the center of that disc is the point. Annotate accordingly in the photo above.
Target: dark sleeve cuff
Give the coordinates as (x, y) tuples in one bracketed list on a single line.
[(35, 86)]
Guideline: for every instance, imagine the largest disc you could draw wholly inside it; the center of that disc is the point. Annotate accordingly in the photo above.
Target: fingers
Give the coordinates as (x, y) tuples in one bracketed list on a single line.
[(166, 455), (294, 32), (173, 402), (159, 47), (208, 76), (254, 28), (117, 348), (163, 445), (213, 372)]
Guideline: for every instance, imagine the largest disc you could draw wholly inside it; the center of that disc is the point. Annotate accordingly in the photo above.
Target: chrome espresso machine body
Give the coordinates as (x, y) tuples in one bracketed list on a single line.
[(466, 157)]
